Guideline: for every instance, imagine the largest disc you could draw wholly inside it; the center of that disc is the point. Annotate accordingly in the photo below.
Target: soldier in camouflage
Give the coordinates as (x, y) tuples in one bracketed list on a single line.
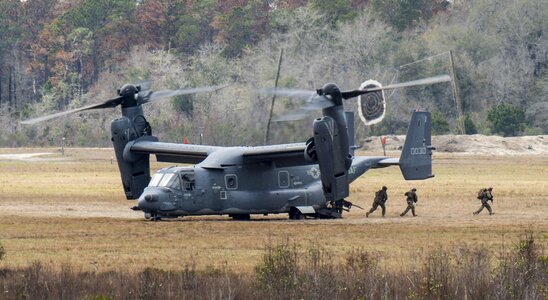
[(380, 200), (485, 196), (411, 200)]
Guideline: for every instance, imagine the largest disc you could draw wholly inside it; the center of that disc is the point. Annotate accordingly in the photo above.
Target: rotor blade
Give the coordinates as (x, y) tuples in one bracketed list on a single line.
[(172, 93), (424, 81), (313, 100), (144, 84), (318, 102), (291, 93), (107, 104), (314, 103), (295, 116)]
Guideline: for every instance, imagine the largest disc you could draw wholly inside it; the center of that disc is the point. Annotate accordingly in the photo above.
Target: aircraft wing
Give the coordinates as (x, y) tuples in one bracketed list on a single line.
[(284, 155), (172, 152)]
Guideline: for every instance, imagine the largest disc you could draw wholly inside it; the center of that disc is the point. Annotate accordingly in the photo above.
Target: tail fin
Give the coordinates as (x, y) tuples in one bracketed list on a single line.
[(416, 157)]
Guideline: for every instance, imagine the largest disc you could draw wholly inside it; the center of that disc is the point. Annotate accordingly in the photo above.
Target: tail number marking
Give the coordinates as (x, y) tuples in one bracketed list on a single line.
[(418, 151)]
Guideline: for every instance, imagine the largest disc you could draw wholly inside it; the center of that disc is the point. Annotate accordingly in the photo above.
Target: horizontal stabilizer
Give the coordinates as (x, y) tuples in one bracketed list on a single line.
[(389, 162)]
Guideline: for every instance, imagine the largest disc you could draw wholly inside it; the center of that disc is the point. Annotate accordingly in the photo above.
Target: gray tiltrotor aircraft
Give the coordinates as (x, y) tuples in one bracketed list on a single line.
[(306, 179)]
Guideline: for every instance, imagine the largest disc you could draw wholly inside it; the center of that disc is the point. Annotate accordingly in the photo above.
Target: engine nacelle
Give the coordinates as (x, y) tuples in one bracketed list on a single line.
[(135, 172), (333, 158)]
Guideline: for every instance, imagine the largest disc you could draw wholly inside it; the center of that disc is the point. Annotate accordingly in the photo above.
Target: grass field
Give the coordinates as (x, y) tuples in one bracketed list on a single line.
[(71, 209)]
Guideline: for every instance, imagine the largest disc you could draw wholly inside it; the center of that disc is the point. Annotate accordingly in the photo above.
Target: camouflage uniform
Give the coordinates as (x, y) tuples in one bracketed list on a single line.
[(411, 200), (485, 197), (380, 200)]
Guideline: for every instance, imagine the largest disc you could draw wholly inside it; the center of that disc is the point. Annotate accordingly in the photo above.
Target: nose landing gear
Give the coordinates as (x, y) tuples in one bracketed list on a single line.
[(154, 217)]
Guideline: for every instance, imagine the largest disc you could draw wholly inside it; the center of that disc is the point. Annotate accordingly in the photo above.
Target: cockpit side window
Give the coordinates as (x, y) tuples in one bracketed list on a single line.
[(188, 181)]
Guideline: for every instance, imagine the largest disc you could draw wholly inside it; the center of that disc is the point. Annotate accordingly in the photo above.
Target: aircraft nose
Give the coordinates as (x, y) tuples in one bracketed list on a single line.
[(151, 197), (150, 200)]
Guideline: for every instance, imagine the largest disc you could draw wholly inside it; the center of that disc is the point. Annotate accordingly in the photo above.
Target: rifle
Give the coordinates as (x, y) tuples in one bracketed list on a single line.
[(358, 206), (349, 205)]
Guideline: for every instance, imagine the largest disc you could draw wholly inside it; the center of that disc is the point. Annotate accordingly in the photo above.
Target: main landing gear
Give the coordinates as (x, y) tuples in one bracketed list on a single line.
[(240, 217)]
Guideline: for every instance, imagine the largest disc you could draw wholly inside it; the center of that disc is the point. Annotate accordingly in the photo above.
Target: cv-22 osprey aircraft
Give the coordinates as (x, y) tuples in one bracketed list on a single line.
[(303, 180)]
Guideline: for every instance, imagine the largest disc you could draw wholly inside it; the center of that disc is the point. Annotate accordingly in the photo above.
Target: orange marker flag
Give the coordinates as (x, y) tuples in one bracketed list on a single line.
[(383, 140)]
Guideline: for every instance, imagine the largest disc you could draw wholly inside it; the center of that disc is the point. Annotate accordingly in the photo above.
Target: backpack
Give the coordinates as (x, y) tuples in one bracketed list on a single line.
[(480, 193)]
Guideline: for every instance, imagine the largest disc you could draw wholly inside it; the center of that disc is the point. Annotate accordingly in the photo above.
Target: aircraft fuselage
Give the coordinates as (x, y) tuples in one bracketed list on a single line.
[(261, 188)]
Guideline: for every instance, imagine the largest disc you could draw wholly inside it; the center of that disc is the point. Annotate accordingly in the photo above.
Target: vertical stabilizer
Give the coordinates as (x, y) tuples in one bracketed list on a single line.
[(416, 157)]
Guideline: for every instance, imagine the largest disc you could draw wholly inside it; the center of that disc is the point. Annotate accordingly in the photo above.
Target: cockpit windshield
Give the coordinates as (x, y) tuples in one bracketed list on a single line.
[(170, 180), (155, 179)]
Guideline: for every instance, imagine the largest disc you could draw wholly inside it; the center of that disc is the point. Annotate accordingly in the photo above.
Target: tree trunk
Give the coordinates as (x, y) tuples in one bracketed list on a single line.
[(10, 88), (80, 78), (95, 63), (14, 89), (1, 80)]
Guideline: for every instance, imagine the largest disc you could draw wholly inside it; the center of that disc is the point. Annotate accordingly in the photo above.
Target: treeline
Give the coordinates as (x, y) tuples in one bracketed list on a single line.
[(56, 55), (288, 272)]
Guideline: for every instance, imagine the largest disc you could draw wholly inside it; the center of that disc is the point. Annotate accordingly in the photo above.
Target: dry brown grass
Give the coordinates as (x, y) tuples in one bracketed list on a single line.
[(71, 209)]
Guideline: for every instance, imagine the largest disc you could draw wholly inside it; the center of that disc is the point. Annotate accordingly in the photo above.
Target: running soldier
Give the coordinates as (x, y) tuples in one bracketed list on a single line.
[(485, 195), (411, 200), (380, 200)]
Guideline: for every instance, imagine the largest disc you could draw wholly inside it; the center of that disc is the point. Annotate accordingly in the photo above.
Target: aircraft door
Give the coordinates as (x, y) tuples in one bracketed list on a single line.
[(218, 196), (191, 199), (283, 179)]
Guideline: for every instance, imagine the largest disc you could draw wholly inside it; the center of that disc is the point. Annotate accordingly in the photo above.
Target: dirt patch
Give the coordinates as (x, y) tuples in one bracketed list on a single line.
[(476, 144), (70, 210), (24, 156)]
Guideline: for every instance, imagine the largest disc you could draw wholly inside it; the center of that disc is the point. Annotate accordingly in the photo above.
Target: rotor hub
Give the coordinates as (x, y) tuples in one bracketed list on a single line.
[(331, 89), (129, 94)]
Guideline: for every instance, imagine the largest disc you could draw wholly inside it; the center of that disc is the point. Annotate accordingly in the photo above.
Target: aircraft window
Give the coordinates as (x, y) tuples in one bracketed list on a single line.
[(171, 181), (175, 183), (156, 179), (189, 183), (231, 182)]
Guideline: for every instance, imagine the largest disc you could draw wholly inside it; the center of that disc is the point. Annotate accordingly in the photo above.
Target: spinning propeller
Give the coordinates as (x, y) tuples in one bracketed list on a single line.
[(130, 95), (372, 102)]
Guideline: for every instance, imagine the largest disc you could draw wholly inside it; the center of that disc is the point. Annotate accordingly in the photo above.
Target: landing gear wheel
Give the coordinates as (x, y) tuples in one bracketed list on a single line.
[(241, 217), (329, 213), (154, 218), (295, 214)]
